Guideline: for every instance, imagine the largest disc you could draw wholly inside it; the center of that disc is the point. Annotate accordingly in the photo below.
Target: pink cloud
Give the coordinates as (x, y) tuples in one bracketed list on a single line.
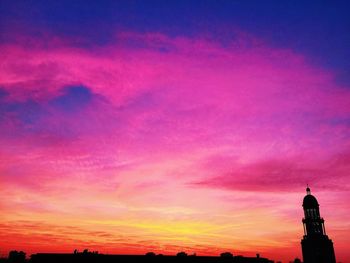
[(284, 174), (120, 133)]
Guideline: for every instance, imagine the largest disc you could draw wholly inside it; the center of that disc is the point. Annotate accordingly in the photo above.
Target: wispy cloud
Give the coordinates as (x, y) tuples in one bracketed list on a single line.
[(284, 174)]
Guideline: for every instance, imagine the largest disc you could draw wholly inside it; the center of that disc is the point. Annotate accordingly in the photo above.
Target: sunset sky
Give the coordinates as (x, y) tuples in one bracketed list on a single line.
[(167, 126)]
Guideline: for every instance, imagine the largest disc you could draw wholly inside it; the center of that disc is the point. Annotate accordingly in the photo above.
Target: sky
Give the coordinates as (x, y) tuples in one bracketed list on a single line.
[(167, 126)]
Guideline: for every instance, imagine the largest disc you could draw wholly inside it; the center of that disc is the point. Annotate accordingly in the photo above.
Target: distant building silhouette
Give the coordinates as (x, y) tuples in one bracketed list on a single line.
[(16, 256), (181, 254), (226, 255), (150, 257), (316, 246)]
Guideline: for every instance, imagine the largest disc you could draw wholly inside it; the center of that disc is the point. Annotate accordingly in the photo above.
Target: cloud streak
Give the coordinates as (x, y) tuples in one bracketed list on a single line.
[(285, 175)]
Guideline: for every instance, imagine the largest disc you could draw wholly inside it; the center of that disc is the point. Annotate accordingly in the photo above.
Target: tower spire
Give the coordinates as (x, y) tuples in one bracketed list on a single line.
[(308, 191)]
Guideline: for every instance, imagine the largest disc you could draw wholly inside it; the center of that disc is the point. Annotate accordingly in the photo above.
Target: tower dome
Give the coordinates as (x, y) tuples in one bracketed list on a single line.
[(309, 200)]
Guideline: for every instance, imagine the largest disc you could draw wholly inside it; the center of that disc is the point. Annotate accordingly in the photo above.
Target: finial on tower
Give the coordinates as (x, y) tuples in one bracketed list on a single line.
[(308, 191)]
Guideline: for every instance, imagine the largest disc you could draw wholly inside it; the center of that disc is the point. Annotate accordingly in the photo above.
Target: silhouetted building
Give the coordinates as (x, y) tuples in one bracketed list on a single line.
[(16, 257), (316, 246), (150, 257)]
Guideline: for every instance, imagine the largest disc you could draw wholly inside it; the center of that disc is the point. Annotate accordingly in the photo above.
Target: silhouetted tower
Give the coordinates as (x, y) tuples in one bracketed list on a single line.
[(316, 246)]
